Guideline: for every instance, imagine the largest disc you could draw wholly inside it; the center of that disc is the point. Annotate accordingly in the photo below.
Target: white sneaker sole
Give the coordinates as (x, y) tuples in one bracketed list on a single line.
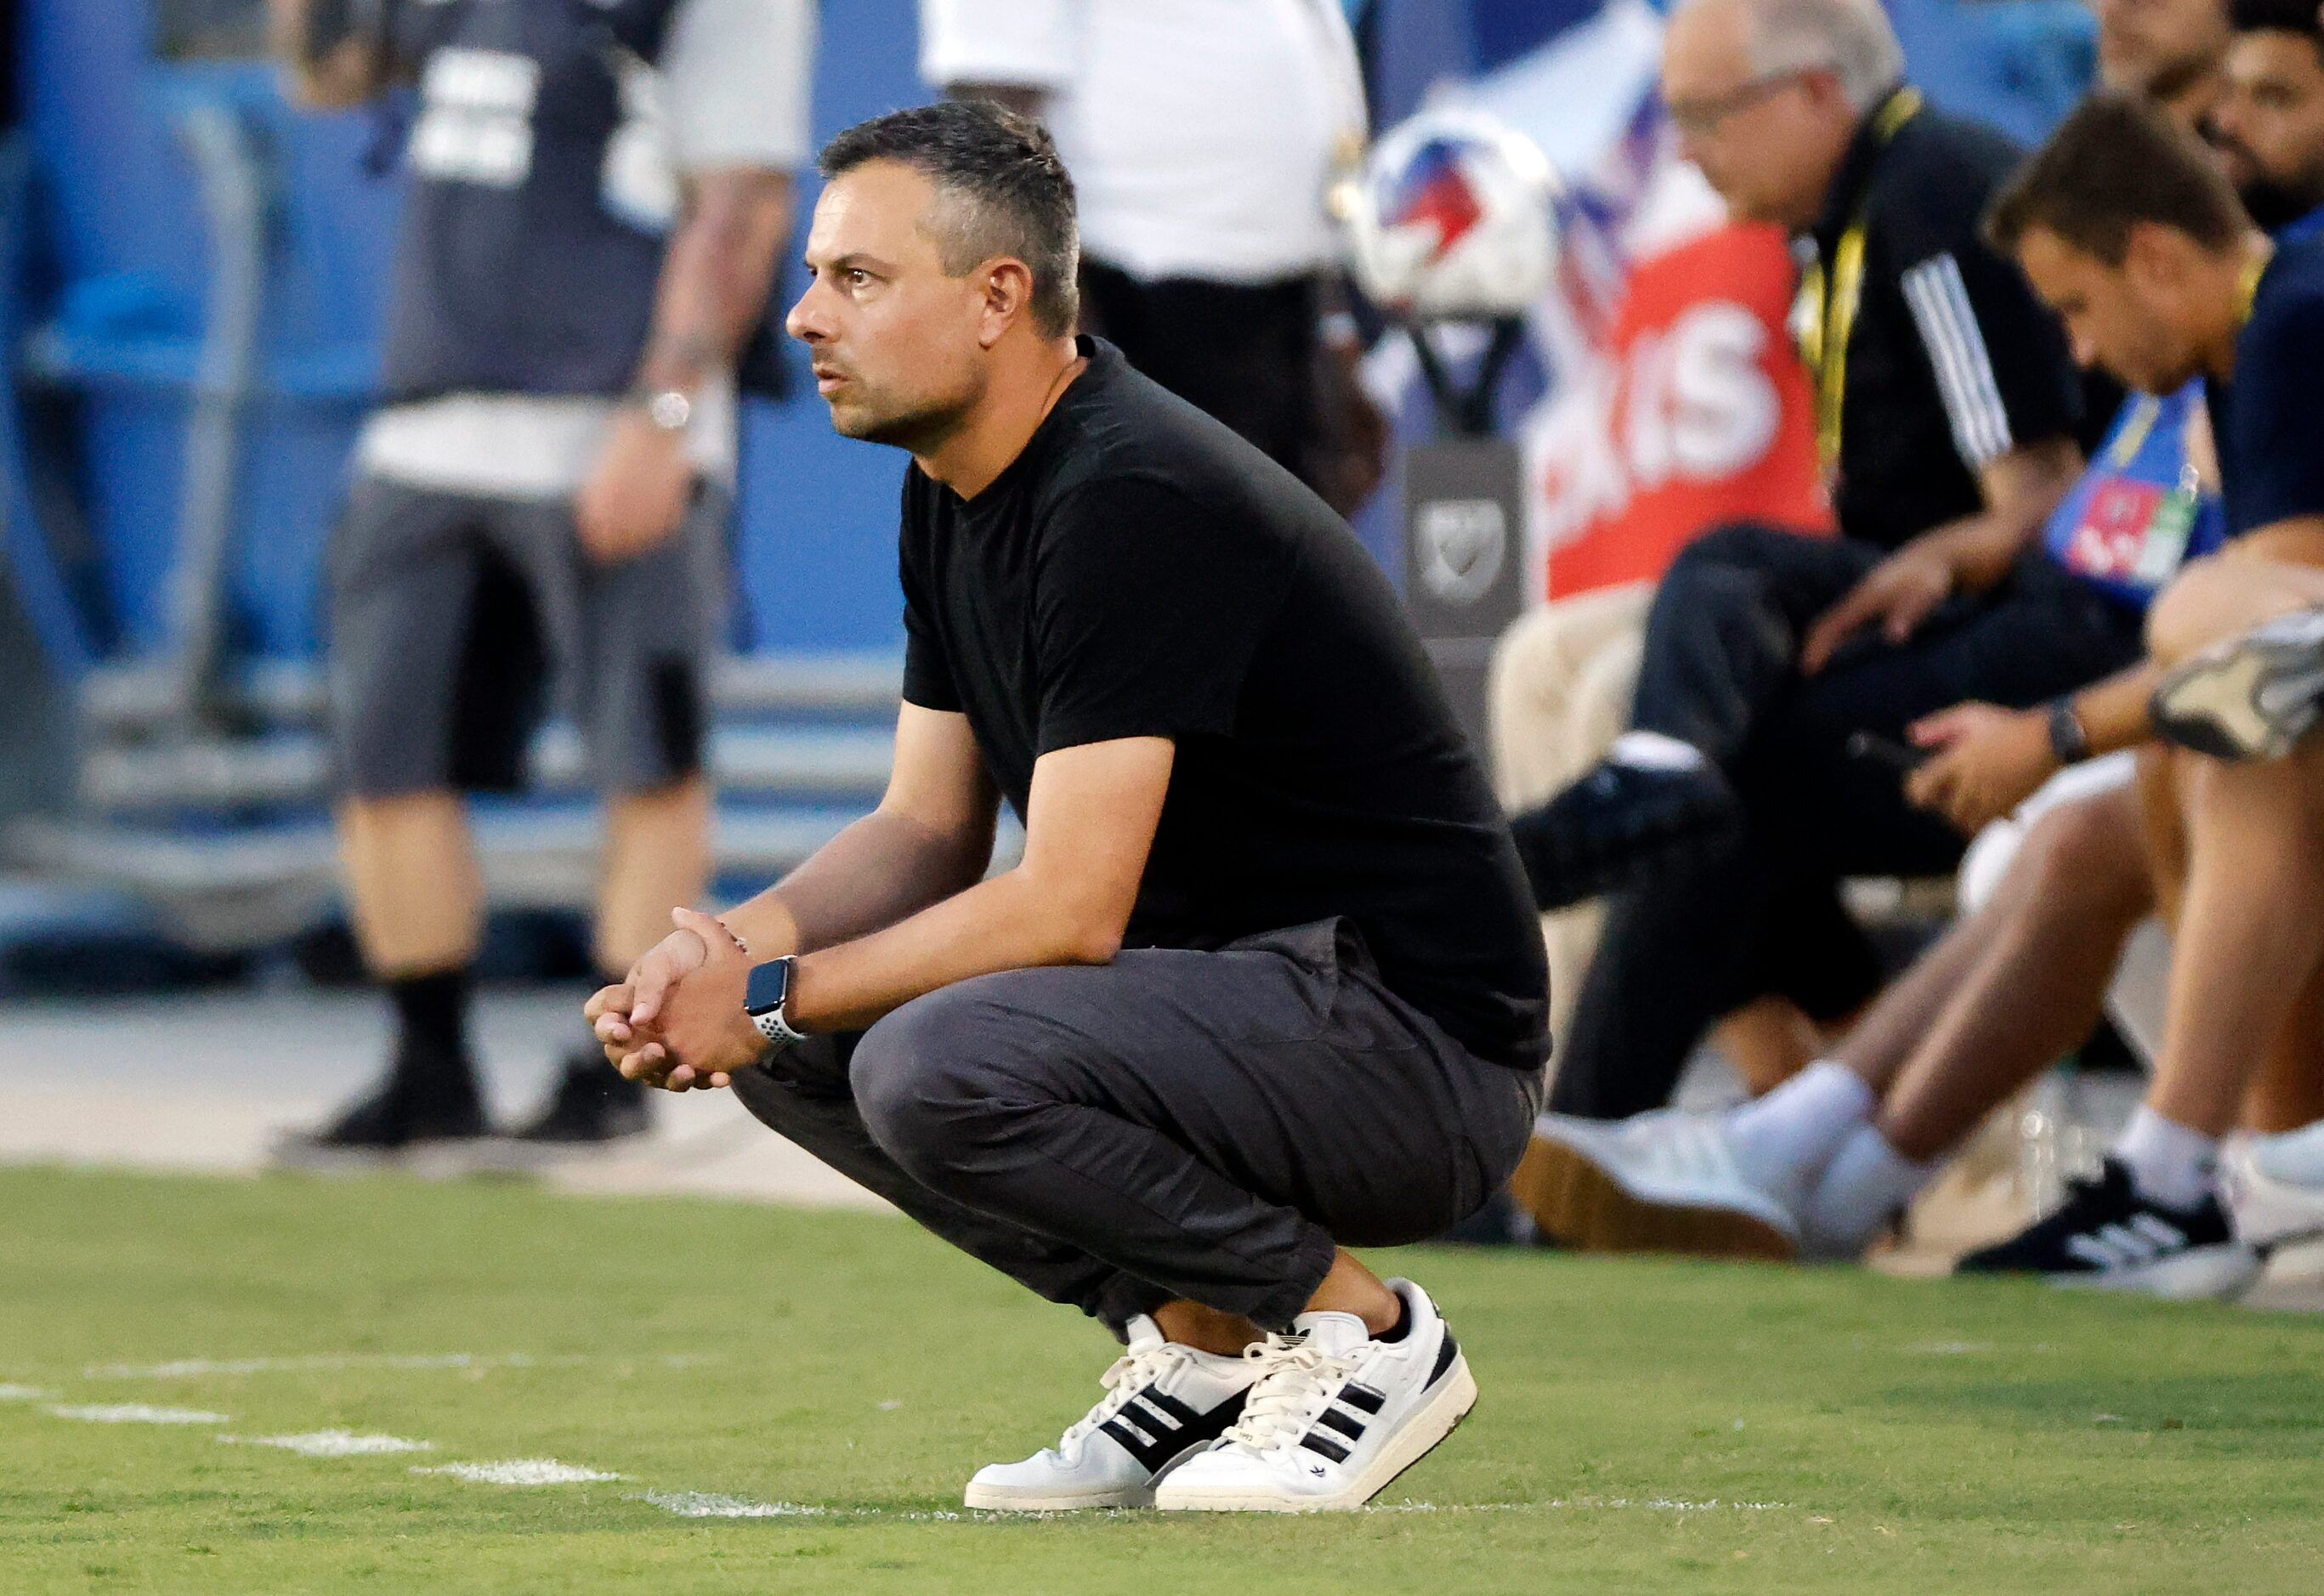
[(2215, 1274), (997, 1498), (1419, 1436), (1005, 1498)]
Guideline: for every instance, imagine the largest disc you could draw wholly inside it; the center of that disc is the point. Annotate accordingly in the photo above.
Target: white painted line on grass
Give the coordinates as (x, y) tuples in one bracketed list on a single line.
[(139, 1413), (523, 1470), (332, 1443), (11, 1392), (706, 1504), (324, 1363)]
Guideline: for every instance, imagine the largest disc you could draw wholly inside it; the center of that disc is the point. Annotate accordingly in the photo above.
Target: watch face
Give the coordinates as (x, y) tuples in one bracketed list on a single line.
[(768, 984)]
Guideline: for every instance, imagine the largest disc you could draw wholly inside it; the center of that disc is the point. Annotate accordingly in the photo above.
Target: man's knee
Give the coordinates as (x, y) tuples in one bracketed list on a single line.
[(931, 1078), (2214, 599), (2089, 855)]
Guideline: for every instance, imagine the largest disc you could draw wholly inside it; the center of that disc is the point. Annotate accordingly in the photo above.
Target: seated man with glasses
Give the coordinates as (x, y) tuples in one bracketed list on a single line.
[(1948, 411)]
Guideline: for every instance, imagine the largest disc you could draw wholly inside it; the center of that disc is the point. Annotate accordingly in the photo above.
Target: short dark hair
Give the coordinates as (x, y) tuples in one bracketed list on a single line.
[(2277, 16), (1009, 193), (2116, 161)]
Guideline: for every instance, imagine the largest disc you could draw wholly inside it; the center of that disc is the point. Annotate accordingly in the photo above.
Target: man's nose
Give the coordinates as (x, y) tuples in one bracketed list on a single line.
[(802, 322)]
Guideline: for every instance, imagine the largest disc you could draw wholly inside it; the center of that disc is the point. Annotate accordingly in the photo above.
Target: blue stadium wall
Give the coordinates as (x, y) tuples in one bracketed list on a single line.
[(113, 277)]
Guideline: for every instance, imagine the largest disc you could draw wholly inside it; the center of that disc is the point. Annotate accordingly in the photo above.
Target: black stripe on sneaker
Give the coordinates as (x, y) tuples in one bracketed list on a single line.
[(1446, 1351), (1362, 1399), (1180, 1415), (1149, 1454), (1139, 1410), (1324, 1445), (1331, 1418), (1147, 1435)]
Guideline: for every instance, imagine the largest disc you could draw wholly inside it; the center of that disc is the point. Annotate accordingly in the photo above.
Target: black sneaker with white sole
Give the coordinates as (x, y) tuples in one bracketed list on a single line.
[(1610, 829), (1335, 1416), (2251, 698), (2107, 1236), (1164, 1404)]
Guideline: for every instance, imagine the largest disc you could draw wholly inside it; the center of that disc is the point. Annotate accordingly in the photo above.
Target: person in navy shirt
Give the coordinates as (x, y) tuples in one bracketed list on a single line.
[(2127, 228)]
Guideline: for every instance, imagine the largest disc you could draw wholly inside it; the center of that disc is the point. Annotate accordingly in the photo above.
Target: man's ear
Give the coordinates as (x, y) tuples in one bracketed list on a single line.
[(1008, 297), (2159, 259)]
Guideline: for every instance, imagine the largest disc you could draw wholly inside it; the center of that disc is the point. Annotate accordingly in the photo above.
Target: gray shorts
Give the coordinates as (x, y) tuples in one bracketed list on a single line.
[(456, 624)]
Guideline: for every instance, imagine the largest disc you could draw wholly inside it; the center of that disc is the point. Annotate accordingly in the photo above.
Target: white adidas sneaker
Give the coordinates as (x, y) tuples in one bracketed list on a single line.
[(1663, 1182), (1334, 1416), (1164, 1402)]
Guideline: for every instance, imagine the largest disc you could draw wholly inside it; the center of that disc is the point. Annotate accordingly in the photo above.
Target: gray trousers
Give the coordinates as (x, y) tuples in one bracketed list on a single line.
[(1174, 1124)]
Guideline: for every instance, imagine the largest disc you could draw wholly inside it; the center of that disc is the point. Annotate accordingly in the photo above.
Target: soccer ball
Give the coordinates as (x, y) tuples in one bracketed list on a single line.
[(1452, 219)]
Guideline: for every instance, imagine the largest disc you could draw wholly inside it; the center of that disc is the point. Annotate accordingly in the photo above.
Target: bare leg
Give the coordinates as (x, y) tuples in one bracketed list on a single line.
[(1768, 1041), (2035, 971), (2290, 1091), (412, 880), (2214, 600), (2251, 931), (1352, 1289), (657, 856), (1205, 1329)]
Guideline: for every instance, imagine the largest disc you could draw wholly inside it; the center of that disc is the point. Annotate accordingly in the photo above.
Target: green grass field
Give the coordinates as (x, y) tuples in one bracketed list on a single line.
[(1644, 1426)]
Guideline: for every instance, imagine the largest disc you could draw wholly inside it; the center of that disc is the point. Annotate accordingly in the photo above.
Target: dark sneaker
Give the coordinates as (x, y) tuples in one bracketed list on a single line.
[(1609, 829), (593, 1103), (2106, 1235), (409, 1108), (2251, 698)]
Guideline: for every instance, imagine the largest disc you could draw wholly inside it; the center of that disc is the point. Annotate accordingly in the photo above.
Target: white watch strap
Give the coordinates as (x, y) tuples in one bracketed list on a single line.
[(773, 1027)]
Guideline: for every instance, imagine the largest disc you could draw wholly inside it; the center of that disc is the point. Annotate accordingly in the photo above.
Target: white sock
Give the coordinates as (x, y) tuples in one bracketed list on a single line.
[(1652, 751), (1794, 1131), (1862, 1189), (2169, 1164)]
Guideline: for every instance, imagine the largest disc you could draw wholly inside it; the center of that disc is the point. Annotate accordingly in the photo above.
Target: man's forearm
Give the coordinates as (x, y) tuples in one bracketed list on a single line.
[(1010, 922), (716, 275), (881, 869), (2021, 489), (2114, 713)]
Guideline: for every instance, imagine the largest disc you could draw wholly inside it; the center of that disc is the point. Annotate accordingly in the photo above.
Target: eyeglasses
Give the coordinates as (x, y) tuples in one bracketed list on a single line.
[(1703, 118)]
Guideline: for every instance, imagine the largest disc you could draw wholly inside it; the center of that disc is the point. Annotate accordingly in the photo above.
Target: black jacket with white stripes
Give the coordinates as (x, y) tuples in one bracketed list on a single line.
[(1951, 361)]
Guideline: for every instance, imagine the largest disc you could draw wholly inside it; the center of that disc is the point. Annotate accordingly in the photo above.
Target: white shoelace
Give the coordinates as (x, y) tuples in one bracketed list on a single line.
[(1131, 1373), (1298, 1380)]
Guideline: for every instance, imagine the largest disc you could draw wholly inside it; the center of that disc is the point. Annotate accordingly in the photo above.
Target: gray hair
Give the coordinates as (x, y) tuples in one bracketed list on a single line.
[(1852, 39)]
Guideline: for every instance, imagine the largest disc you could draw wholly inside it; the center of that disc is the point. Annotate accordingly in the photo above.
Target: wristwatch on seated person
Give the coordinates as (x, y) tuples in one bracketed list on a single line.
[(2068, 741), (763, 999)]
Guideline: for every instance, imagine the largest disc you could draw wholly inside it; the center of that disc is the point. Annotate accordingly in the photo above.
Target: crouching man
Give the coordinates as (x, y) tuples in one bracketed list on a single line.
[(1268, 981)]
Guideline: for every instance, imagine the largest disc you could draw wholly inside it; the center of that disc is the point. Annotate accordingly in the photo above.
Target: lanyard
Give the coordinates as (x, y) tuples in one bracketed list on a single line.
[(1831, 302)]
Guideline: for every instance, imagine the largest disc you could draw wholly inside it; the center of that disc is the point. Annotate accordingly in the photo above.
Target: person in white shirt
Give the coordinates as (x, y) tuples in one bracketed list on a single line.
[(1202, 136)]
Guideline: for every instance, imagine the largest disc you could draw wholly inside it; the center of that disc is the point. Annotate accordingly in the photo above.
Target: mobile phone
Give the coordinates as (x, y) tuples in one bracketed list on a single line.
[(1897, 756)]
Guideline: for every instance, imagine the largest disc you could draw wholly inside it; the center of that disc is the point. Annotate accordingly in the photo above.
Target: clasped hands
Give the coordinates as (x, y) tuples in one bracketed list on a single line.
[(677, 1020)]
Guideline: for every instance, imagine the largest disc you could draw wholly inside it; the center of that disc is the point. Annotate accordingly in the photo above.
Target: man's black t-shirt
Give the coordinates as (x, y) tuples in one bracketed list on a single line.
[(1952, 361), (1138, 571), (2269, 421)]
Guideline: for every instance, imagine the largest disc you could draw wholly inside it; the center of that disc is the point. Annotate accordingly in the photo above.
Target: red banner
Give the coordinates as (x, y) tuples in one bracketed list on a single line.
[(1698, 414)]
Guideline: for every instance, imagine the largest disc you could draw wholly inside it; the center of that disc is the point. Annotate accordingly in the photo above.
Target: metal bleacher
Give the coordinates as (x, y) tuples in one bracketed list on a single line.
[(226, 836)]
